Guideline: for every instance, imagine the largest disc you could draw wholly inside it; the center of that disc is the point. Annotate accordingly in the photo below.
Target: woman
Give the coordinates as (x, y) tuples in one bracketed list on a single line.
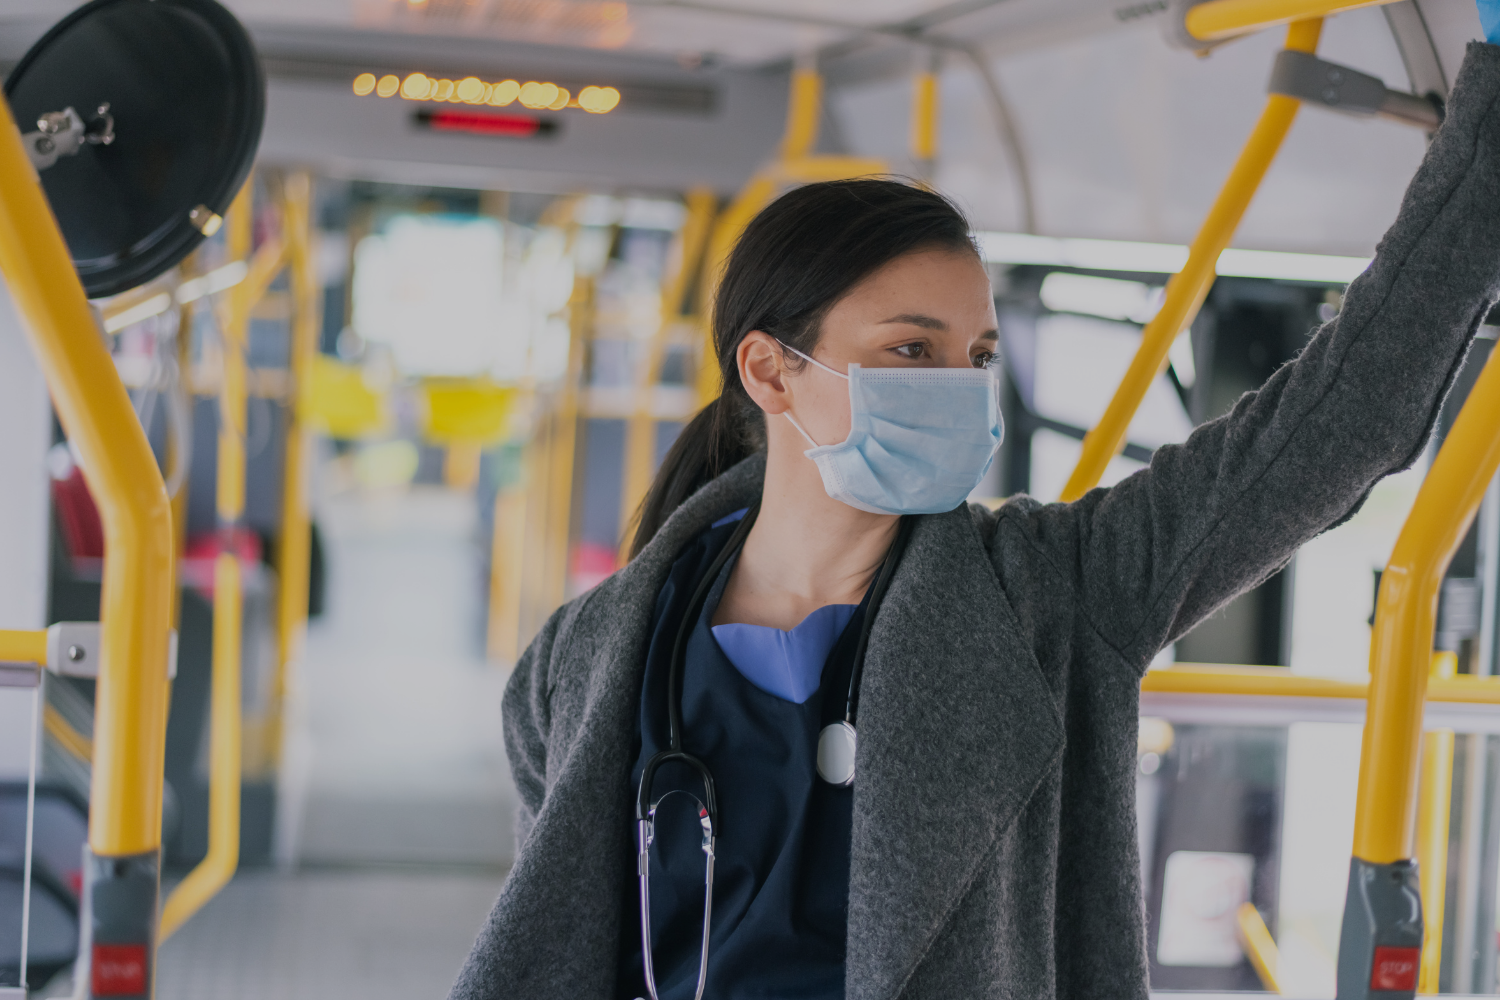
[(986, 846)]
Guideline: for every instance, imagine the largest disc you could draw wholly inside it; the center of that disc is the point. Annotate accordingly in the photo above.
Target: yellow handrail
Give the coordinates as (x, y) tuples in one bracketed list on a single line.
[(219, 864), (1259, 946), (1405, 609), (795, 164), (187, 270), (1277, 682), (562, 448), (18, 646), (70, 739), (1434, 799), (924, 118), (640, 435), (294, 552), (1187, 289), (804, 105), (130, 700), (1217, 20)]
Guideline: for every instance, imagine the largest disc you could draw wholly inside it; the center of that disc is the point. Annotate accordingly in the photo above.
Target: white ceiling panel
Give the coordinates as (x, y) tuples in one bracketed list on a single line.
[(734, 32), (612, 26)]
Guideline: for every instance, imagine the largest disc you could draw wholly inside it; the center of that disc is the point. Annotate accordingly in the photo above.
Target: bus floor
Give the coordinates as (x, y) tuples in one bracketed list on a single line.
[(394, 752), (328, 935)]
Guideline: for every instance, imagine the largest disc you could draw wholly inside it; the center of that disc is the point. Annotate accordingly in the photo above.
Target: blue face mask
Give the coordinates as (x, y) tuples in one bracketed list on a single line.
[(920, 439)]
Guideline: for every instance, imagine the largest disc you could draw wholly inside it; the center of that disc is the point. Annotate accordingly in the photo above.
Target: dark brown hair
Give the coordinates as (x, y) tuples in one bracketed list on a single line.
[(795, 260)]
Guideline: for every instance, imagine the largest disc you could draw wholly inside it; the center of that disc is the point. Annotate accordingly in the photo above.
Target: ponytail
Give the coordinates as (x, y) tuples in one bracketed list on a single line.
[(710, 444), (795, 260)]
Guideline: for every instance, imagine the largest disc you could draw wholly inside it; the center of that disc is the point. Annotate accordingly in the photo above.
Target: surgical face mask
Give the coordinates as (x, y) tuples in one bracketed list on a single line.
[(920, 439)]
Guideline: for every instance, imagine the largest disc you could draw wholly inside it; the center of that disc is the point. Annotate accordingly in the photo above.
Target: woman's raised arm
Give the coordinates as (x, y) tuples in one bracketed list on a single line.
[(1210, 518)]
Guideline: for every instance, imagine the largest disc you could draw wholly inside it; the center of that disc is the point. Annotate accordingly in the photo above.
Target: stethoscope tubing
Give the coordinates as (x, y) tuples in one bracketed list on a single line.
[(882, 584), (690, 618), (645, 809)]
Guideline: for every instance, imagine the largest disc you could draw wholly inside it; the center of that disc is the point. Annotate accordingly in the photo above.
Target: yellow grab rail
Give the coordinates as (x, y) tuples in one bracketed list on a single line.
[(640, 435), (1405, 609), (70, 739), (804, 105), (1259, 946), (1187, 288), (924, 117), (219, 864), (17, 646), (1277, 682), (796, 164), (1218, 20), (130, 701), (187, 270), (1434, 799), (294, 553)]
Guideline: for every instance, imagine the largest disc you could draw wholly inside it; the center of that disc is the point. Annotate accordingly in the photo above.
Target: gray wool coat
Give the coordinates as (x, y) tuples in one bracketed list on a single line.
[(994, 850)]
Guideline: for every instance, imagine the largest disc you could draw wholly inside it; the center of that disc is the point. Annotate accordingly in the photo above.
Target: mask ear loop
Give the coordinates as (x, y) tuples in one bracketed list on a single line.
[(788, 413), (810, 441), (815, 361)]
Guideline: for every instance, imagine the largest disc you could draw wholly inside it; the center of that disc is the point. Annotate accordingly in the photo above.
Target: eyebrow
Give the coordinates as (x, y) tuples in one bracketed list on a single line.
[(917, 319), (931, 323)]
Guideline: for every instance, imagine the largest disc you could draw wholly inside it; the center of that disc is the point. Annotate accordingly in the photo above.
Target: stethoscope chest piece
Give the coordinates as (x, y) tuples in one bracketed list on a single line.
[(836, 754)]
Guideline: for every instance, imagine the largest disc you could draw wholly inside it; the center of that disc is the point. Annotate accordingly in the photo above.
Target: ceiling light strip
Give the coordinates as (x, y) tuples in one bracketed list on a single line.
[(534, 94), (1164, 258)]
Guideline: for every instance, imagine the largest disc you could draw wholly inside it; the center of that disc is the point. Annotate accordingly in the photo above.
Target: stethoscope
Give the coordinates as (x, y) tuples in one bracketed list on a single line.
[(836, 741)]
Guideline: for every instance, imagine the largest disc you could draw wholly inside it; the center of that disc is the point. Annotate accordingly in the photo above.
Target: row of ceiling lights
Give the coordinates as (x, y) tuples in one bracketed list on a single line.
[(472, 90)]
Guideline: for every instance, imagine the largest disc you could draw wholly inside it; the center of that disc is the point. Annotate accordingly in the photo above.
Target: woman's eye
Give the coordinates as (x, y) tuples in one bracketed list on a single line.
[(913, 351), (984, 359)]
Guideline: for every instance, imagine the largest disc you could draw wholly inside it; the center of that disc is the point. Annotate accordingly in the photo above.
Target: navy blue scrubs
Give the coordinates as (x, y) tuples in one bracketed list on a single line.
[(781, 878)]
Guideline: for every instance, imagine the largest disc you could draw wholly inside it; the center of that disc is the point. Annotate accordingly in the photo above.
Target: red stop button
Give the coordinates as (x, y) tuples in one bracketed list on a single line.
[(1395, 968), (119, 970)]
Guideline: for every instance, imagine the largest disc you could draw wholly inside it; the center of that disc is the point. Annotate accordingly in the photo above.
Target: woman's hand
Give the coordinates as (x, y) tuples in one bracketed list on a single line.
[(1489, 20)]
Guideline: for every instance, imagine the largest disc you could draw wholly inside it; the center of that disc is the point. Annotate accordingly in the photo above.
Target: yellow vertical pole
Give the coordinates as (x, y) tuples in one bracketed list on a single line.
[(185, 318), (1187, 289), (1434, 800), (122, 865), (507, 565), (756, 195), (924, 115), (640, 434), (130, 703), (804, 108), (563, 444), (1405, 611), (1379, 937), (218, 866), (294, 551), (461, 461), (805, 104), (533, 595)]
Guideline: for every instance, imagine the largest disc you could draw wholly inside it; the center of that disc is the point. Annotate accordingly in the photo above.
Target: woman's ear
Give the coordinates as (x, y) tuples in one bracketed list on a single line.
[(763, 371)]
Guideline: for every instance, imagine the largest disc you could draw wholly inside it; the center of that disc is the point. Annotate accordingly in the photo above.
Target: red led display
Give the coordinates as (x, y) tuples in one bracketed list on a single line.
[(486, 123)]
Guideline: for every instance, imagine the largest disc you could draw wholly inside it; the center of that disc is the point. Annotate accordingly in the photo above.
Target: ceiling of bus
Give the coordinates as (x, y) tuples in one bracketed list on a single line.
[(732, 32), (1125, 137)]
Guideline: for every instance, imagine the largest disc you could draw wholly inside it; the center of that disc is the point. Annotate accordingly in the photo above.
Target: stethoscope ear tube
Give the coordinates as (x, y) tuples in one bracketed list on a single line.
[(882, 584), (690, 618)]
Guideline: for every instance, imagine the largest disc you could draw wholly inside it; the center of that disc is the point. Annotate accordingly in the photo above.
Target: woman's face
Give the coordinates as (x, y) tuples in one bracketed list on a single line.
[(930, 309)]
